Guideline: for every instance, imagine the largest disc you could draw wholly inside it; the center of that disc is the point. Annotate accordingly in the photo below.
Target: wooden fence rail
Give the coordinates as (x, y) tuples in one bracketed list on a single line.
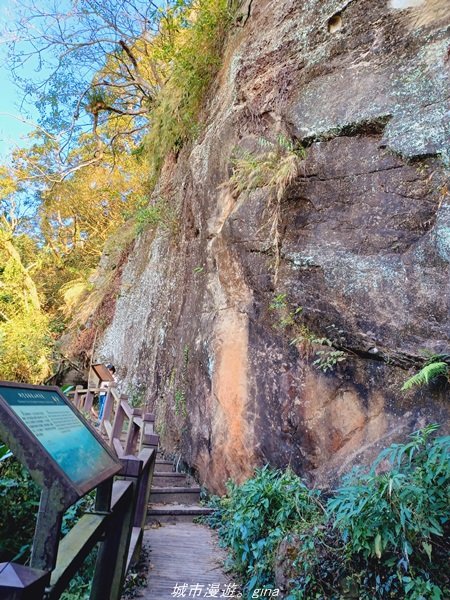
[(117, 522), (125, 427)]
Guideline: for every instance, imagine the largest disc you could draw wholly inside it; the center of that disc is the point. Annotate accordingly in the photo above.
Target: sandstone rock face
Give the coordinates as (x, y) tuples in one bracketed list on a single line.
[(362, 246)]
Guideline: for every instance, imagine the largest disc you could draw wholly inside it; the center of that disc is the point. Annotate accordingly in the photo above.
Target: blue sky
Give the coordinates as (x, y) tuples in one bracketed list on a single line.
[(12, 130)]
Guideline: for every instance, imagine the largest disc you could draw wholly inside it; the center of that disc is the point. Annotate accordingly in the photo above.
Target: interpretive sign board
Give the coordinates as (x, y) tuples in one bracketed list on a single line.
[(102, 372), (54, 427)]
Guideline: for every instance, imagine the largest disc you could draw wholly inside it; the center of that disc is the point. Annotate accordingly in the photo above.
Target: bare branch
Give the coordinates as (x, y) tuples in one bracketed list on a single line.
[(31, 123)]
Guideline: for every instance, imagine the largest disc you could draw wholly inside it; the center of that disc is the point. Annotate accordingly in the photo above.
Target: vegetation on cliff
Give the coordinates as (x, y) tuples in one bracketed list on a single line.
[(382, 534)]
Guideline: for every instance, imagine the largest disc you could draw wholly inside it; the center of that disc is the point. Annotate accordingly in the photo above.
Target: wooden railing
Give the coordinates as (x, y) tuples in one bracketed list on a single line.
[(118, 519), (128, 430), (124, 427)]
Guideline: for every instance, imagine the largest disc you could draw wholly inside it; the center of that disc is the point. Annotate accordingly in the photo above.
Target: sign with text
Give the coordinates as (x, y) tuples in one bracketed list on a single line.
[(48, 415)]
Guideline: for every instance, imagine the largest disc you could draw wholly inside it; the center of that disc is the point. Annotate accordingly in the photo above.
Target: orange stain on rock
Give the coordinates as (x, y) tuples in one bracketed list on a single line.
[(233, 445)]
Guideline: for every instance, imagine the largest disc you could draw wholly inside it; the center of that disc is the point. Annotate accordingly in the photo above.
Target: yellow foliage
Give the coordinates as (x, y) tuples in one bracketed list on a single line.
[(7, 183), (73, 292), (80, 213), (25, 342), (25, 348)]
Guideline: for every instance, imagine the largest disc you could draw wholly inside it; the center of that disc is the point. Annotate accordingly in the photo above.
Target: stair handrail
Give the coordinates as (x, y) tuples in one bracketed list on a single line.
[(118, 520)]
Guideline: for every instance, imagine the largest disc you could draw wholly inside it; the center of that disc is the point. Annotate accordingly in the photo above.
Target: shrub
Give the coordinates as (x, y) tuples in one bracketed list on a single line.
[(25, 348), (401, 509), (384, 533), (157, 214), (397, 520), (190, 52), (255, 516), (19, 502)]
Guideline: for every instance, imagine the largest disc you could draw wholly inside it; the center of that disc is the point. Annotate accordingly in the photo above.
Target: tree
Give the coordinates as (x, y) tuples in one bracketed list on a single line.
[(24, 333), (96, 60), (68, 219)]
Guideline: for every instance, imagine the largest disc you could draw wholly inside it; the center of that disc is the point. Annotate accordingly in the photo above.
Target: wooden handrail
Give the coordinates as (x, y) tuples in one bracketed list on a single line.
[(84, 391), (73, 550), (118, 521)]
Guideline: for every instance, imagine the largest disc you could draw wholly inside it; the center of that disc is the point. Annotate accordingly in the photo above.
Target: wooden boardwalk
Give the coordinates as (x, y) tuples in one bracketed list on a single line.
[(184, 554)]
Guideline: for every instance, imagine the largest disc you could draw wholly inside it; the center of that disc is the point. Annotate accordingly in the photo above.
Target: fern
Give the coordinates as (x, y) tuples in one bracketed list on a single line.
[(426, 374)]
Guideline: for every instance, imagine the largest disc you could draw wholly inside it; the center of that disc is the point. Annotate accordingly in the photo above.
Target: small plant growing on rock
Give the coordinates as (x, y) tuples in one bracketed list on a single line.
[(326, 359), (157, 214), (276, 167), (180, 403), (286, 317), (436, 366), (136, 396)]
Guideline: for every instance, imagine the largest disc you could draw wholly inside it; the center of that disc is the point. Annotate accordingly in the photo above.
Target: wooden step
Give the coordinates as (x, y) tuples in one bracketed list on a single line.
[(161, 479), (165, 466), (180, 495), (176, 513)]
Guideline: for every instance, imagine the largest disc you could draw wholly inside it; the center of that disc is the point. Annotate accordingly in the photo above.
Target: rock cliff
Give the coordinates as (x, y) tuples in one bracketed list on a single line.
[(217, 316)]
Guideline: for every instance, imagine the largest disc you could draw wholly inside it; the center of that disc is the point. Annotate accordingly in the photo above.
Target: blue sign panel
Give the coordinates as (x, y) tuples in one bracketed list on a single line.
[(65, 437)]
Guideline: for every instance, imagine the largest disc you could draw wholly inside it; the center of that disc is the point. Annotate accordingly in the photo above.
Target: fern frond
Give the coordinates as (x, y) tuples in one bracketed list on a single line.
[(426, 374)]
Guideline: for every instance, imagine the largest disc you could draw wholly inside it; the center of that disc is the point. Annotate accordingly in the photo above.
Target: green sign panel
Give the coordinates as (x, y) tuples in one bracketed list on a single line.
[(63, 434)]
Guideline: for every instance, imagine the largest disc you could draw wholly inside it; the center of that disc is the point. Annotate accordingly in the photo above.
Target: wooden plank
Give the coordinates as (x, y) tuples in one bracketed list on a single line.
[(108, 406), (147, 455), (102, 372), (73, 549), (117, 446), (183, 553), (132, 437), (88, 401), (119, 419), (128, 410), (135, 545)]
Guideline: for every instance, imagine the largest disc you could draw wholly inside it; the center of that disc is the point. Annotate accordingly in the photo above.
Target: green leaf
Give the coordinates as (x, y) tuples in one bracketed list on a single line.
[(377, 545), (428, 548), (426, 374)]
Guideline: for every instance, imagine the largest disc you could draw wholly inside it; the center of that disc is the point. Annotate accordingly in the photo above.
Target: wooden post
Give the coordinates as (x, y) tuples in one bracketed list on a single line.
[(148, 454), (47, 532), (136, 470), (103, 496), (76, 396), (22, 583), (112, 556), (108, 406), (148, 432), (119, 419), (88, 401), (144, 486), (133, 432), (149, 418)]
